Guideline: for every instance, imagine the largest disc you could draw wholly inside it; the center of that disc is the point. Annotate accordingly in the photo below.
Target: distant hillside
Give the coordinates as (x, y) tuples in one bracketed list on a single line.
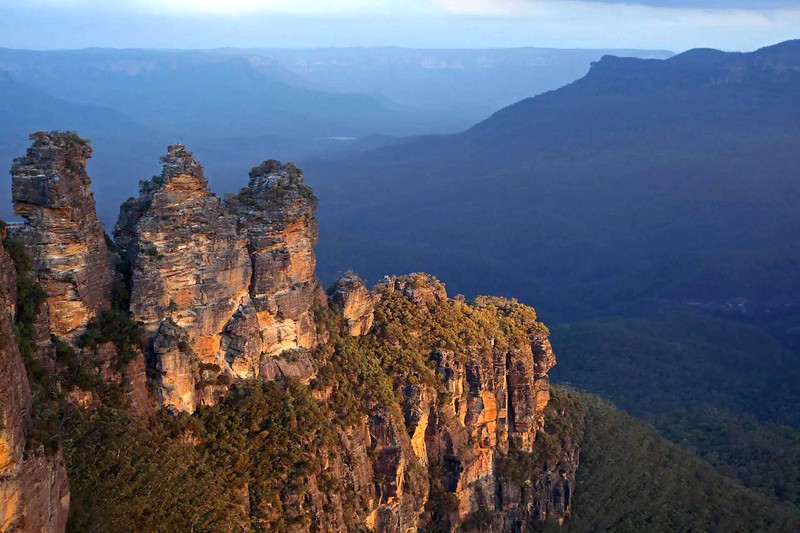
[(633, 480), (645, 180), (465, 84), (233, 106), (206, 94)]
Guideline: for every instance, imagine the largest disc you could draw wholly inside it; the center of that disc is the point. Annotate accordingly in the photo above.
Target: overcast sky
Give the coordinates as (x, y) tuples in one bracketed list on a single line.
[(663, 24)]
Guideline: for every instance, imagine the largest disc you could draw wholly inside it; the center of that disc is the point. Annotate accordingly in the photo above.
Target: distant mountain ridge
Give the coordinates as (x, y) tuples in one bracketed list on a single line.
[(233, 105), (638, 181)]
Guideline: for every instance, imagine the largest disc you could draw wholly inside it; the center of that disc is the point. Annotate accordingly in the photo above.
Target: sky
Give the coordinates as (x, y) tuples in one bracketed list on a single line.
[(674, 25)]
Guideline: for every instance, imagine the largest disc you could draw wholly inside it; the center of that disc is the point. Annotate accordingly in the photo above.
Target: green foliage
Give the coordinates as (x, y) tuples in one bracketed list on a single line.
[(679, 359), (686, 373), (30, 296), (631, 479), (131, 475), (268, 437), (764, 456), (115, 326), (74, 371), (481, 520)]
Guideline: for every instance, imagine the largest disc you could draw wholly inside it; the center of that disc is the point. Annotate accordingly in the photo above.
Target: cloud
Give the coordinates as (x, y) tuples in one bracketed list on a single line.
[(549, 7), (749, 5), (498, 8), (663, 24)]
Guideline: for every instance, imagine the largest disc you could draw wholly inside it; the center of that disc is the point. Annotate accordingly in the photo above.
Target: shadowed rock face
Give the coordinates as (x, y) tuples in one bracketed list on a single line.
[(235, 278), (51, 191), (34, 494)]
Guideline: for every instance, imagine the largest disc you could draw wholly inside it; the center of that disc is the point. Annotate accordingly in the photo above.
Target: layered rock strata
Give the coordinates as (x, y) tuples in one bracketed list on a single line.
[(225, 289), (493, 405), (51, 191), (357, 304), (277, 210), (464, 447), (34, 493)]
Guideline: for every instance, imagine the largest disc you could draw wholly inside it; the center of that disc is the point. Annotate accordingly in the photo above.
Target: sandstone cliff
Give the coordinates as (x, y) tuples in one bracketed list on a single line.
[(350, 294), (34, 495), (225, 289), (439, 417), (51, 191), (411, 411), (487, 402)]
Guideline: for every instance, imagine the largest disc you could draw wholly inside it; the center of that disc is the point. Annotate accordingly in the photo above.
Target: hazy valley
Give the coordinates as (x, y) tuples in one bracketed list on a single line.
[(644, 203)]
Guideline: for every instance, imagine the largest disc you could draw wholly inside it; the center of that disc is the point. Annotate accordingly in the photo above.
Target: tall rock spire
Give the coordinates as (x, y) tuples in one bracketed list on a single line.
[(278, 209), (51, 191)]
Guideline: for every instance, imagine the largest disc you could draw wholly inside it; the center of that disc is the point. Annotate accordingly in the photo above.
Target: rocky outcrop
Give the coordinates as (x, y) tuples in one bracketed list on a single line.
[(444, 400), (233, 280), (51, 191), (34, 494), (350, 294), (190, 273), (492, 405), (277, 211)]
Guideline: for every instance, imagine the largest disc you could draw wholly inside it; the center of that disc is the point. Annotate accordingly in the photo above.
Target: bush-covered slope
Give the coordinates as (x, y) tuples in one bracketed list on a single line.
[(720, 388), (680, 359), (633, 480)]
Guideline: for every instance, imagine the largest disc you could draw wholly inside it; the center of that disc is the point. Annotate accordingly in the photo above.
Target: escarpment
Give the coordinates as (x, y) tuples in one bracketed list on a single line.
[(392, 409), (34, 494)]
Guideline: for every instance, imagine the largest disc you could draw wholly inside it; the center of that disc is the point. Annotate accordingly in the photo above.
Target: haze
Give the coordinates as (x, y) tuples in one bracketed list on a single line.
[(654, 24)]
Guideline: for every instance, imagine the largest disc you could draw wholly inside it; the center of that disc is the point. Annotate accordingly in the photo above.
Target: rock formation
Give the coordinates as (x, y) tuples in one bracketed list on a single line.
[(190, 272), (443, 400), (34, 494), (224, 288), (277, 211), (51, 191), (350, 294), (493, 404)]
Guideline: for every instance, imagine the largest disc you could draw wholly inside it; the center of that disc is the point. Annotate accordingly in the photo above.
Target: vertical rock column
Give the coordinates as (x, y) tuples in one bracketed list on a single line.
[(277, 210), (350, 294), (191, 274), (75, 267)]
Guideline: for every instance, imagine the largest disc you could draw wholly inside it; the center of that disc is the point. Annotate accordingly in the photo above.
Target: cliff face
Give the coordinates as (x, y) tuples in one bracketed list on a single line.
[(51, 191), (190, 272), (34, 494), (350, 294), (417, 411), (223, 288), (277, 210), (486, 403), (451, 433)]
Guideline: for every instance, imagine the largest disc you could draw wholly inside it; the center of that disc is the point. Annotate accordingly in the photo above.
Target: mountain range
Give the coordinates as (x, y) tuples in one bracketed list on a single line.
[(234, 105)]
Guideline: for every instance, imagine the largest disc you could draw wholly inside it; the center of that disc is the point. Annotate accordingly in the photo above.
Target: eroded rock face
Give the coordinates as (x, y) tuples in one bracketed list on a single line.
[(226, 290), (350, 294), (51, 191), (190, 274), (236, 277), (34, 494), (465, 442), (277, 211), (493, 407)]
